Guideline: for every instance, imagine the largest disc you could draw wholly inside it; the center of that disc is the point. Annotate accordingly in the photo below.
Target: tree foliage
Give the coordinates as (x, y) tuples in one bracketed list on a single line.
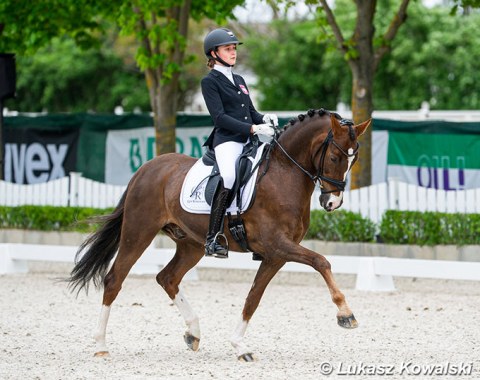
[(160, 28), (434, 59), (63, 78), (26, 25), (295, 71)]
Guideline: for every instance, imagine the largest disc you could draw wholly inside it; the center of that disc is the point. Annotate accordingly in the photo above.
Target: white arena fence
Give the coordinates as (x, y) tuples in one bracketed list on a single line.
[(373, 273), (371, 201)]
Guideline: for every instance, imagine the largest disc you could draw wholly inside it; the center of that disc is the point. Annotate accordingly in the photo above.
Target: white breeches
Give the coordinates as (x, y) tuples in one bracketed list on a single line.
[(227, 154)]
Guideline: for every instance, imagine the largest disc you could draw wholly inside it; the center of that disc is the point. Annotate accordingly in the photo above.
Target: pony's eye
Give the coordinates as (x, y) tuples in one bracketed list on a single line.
[(333, 158)]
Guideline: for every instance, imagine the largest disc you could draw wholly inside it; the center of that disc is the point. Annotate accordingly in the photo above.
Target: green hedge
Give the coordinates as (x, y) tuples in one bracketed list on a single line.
[(429, 228), (396, 227), (340, 225), (50, 218)]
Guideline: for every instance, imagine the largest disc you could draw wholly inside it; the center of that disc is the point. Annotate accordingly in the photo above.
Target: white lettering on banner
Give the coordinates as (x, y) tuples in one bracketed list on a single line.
[(57, 157), (14, 162), (34, 163)]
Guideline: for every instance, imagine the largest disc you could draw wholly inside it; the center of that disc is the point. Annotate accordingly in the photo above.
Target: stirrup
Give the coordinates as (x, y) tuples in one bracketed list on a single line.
[(214, 249)]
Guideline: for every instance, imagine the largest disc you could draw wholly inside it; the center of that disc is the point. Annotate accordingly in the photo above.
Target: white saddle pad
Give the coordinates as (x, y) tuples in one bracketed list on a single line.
[(192, 197)]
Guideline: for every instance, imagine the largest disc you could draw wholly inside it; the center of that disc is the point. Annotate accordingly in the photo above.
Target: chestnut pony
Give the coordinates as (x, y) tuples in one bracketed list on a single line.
[(316, 147)]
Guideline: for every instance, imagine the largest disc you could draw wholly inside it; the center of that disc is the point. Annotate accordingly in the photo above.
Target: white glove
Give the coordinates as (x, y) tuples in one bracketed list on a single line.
[(270, 118), (263, 129)]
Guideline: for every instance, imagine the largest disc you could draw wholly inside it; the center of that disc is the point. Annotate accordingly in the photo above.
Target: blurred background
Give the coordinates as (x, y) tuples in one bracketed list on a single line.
[(393, 59)]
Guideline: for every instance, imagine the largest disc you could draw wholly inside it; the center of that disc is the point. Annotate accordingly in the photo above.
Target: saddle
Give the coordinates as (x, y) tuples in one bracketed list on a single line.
[(243, 172)]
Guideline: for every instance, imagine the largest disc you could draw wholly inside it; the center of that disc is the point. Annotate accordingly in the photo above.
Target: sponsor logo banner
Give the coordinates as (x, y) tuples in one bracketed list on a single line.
[(438, 161), (36, 156), (127, 150)]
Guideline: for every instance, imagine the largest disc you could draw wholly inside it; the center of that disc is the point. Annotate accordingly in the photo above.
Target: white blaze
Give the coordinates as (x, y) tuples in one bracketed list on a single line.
[(337, 200)]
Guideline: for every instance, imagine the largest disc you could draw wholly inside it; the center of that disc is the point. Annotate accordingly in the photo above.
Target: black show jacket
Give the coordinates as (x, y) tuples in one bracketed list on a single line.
[(230, 107)]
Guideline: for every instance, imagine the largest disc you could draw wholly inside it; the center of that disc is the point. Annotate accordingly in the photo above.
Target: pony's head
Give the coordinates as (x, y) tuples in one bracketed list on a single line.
[(338, 152)]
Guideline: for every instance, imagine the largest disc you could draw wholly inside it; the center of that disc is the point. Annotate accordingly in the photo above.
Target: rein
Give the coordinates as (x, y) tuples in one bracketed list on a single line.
[(340, 185)]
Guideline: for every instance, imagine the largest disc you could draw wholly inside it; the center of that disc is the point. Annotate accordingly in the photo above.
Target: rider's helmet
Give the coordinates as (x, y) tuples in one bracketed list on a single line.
[(218, 37)]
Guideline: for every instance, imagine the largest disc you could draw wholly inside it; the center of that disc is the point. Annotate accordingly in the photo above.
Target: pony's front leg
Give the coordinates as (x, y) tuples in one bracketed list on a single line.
[(296, 253), (345, 317), (267, 270)]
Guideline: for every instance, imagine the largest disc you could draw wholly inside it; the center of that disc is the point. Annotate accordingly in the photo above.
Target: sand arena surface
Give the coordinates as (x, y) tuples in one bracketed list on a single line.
[(46, 333)]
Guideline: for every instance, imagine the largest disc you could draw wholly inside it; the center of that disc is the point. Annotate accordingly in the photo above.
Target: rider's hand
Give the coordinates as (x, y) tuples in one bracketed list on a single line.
[(263, 129), (271, 118)]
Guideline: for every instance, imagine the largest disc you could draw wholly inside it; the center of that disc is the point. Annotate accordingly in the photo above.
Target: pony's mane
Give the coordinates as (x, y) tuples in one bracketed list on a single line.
[(320, 112)]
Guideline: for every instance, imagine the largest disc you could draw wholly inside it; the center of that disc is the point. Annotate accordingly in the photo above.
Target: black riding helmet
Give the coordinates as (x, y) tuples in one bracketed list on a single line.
[(216, 38)]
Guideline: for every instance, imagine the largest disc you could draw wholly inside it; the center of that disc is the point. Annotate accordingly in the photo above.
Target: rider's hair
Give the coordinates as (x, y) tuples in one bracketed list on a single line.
[(210, 63)]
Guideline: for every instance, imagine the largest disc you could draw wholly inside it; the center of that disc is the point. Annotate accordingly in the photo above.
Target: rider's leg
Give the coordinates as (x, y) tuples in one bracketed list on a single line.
[(213, 245), (226, 154)]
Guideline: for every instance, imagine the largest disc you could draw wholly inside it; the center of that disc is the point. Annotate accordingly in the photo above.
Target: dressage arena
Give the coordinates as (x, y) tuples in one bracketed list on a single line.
[(426, 326)]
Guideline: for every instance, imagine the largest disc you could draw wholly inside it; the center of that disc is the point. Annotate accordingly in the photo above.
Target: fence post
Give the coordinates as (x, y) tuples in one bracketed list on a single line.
[(368, 280), (73, 189), (393, 201)]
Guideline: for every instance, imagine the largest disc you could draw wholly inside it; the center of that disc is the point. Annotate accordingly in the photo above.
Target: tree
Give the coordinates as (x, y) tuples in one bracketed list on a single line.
[(434, 59), (363, 50), (160, 28)]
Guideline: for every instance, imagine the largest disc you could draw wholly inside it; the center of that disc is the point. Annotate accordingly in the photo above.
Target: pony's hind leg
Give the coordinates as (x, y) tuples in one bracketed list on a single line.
[(187, 255), (267, 270), (129, 251)]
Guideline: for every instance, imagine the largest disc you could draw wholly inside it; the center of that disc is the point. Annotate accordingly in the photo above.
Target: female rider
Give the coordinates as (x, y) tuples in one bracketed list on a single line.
[(235, 119)]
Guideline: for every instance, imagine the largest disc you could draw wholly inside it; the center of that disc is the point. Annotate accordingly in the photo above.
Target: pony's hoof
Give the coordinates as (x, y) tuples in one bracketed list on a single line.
[(102, 354), (247, 358), (348, 322), (192, 342)]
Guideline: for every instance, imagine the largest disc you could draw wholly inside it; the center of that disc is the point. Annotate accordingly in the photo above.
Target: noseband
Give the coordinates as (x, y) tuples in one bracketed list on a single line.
[(340, 185)]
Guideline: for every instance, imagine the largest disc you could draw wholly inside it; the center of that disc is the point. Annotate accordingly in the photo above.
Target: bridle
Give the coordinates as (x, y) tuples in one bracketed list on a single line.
[(340, 185)]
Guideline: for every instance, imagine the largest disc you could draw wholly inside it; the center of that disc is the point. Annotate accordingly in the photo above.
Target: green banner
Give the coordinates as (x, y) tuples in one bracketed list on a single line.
[(110, 148)]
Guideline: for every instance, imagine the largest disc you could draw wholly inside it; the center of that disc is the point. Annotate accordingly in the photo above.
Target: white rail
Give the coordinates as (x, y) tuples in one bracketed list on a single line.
[(373, 273), (371, 201)]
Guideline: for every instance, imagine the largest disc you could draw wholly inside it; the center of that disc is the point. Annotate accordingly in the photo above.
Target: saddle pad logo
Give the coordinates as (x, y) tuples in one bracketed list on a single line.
[(243, 88)]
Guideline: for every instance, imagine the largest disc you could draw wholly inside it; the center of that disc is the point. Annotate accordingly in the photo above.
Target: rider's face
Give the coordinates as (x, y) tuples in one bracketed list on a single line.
[(228, 53)]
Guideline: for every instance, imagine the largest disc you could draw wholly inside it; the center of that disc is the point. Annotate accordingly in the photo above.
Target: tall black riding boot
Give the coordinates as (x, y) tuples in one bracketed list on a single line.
[(215, 228)]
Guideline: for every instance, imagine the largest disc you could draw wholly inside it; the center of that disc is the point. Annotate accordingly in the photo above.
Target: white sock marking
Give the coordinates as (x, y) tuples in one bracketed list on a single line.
[(99, 335), (191, 319)]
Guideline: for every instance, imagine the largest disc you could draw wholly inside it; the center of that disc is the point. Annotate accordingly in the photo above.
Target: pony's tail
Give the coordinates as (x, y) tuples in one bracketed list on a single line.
[(99, 249)]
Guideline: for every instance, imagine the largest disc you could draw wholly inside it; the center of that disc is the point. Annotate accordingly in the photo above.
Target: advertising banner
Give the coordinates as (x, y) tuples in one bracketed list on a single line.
[(110, 148), (438, 161), (437, 155), (36, 156), (127, 150)]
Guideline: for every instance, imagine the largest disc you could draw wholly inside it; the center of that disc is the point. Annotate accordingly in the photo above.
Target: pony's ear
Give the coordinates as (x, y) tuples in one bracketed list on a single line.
[(361, 128), (336, 126)]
